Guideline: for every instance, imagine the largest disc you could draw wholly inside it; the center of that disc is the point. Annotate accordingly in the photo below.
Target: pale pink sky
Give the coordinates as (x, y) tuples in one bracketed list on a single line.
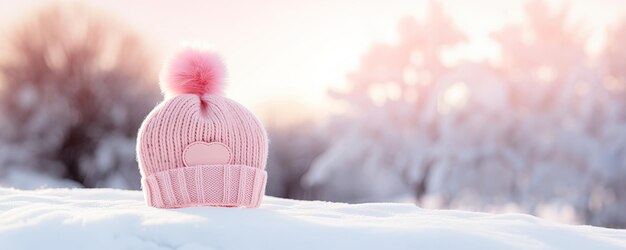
[(291, 52)]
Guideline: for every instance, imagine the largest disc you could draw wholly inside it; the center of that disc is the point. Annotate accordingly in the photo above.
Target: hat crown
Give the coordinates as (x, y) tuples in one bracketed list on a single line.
[(186, 119), (171, 180)]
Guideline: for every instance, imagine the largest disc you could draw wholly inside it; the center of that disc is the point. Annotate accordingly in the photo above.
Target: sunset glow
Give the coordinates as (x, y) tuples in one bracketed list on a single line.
[(298, 50)]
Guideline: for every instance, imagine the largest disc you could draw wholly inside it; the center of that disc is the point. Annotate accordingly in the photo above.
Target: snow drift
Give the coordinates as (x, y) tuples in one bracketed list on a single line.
[(119, 219)]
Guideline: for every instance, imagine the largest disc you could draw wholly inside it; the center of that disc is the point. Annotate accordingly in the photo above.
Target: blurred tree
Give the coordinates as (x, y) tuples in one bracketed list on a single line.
[(543, 129), (607, 201), (383, 147), (76, 87), (559, 96), (292, 149)]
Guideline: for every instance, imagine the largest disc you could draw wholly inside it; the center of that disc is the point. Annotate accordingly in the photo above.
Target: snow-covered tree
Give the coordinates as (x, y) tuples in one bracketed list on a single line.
[(383, 147), (607, 199), (543, 128), (75, 88), (292, 149)]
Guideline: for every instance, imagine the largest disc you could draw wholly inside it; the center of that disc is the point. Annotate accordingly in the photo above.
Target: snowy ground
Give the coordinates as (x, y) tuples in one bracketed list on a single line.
[(118, 219)]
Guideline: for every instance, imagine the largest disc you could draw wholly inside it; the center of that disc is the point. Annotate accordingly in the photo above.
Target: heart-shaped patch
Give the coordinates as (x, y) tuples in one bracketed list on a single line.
[(202, 153)]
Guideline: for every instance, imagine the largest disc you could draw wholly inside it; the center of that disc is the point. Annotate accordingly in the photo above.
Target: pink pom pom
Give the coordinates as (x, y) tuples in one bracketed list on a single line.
[(192, 70)]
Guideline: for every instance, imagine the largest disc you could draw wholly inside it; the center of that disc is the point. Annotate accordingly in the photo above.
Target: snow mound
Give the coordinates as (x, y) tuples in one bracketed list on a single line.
[(119, 219)]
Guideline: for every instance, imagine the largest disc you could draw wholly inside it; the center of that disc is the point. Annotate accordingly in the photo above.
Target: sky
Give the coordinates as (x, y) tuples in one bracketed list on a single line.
[(284, 55)]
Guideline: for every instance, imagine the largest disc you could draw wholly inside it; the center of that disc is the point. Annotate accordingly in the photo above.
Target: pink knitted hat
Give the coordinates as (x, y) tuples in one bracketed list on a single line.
[(198, 148)]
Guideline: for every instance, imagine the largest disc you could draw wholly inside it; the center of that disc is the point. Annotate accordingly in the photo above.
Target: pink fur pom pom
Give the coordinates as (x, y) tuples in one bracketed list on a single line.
[(192, 70)]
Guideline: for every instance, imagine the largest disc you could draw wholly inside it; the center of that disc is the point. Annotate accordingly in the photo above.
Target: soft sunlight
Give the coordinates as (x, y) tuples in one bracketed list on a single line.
[(298, 50), (454, 97)]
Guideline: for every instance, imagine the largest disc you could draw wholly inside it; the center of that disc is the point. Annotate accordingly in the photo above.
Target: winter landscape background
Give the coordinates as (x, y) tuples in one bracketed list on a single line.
[(535, 122)]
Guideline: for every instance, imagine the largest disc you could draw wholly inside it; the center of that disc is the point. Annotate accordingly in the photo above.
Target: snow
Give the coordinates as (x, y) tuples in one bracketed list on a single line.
[(119, 219), (24, 178)]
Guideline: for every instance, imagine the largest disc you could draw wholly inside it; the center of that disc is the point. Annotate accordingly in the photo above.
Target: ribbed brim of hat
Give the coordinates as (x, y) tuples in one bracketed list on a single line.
[(206, 185)]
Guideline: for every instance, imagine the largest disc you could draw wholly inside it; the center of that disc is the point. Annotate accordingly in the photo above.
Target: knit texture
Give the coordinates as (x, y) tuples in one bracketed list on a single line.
[(169, 180)]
